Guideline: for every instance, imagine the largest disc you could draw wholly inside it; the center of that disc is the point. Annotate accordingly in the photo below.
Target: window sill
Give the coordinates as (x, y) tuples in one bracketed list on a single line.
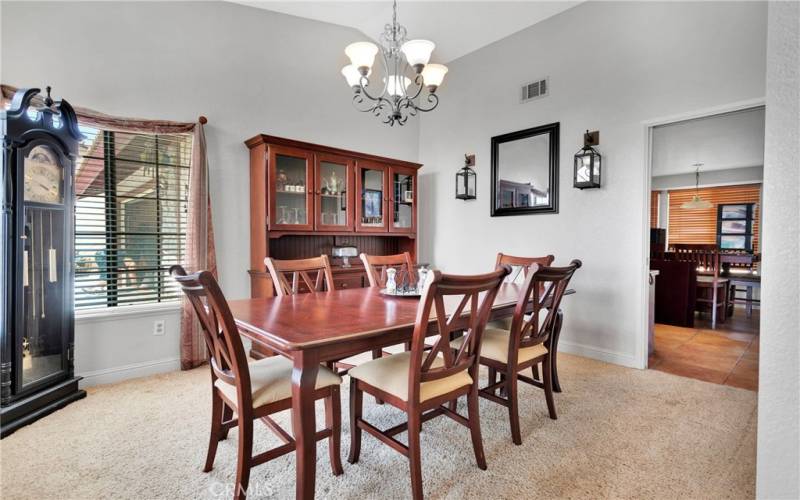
[(106, 313)]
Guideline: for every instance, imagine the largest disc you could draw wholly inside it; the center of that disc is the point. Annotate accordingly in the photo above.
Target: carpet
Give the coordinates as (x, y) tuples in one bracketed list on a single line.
[(621, 433)]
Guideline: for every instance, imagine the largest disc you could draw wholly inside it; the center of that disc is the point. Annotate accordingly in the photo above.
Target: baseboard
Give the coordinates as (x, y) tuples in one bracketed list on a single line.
[(586, 351), (126, 372)]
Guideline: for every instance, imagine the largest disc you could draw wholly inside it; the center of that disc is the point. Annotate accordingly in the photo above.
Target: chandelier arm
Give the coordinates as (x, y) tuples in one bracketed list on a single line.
[(420, 82), (433, 99), (364, 89), (376, 108)]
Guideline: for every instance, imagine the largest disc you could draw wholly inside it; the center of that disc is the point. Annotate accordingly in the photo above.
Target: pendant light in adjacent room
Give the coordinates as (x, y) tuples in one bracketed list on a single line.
[(696, 202)]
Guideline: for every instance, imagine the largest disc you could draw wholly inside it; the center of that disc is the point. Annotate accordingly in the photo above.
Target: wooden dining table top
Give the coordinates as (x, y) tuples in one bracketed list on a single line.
[(302, 321)]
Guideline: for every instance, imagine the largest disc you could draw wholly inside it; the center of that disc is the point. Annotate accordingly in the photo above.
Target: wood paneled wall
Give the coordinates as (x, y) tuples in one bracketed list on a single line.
[(700, 226), (303, 247)]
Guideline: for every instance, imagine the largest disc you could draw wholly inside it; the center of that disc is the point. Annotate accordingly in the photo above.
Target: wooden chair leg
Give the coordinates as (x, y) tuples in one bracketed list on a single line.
[(217, 412), (714, 307), (547, 373), (554, 351), (355, 414), (333, 421), (535, 371), (244, 457), (227, 414), (503, 388), (414, 456), (513, 406), (453, 405), (492, 376), (475, 426)]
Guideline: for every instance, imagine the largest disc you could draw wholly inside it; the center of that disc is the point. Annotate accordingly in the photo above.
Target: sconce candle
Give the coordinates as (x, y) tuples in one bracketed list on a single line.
[(588, 162), (466, 179)]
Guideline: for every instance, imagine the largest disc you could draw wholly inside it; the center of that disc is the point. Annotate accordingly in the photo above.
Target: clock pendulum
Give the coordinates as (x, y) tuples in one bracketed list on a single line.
[(51, 253), (25, 280), (41, 259), (33, 263)]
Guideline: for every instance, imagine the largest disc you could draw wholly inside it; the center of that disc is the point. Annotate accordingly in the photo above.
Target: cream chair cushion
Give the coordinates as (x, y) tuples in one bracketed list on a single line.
[(390, 374), (495, 346), (271, 381)]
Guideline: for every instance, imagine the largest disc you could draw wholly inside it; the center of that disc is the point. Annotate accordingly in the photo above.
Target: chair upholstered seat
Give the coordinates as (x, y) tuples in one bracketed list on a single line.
[(504, 323), (271, 381), (390, 374), (495, 346)]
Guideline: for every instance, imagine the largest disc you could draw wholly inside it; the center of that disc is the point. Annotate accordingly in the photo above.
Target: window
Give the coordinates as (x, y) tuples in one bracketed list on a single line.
[(735, 227), (130, 216), (699, 226), (655, 198)]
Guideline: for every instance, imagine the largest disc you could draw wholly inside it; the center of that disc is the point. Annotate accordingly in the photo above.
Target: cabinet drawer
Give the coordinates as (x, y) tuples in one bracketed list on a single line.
[(348, 282)]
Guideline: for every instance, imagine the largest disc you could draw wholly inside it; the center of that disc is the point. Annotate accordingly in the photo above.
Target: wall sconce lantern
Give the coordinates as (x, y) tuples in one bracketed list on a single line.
[(466, 179), (587, 162)]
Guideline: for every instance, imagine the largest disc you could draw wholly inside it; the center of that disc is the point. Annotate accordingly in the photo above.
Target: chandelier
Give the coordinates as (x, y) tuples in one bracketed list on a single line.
[(401, 96)]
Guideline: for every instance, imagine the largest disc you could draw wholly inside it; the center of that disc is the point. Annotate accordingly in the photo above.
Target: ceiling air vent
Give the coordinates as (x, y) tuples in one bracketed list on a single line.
[(535, 90)]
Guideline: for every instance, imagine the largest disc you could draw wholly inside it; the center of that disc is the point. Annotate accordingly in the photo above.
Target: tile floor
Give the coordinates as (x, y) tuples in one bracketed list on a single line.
[(727, 355)]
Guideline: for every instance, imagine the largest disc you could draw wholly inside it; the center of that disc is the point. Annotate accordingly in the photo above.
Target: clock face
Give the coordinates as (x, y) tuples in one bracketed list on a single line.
[(42, 176)]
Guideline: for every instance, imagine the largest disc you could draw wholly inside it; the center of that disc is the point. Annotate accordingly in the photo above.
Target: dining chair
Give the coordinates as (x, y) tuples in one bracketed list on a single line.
[(290, 277), (523, 264), (740, 268), (419, 381), (250, 391), (528, 342), (712, 290), (376, 267)]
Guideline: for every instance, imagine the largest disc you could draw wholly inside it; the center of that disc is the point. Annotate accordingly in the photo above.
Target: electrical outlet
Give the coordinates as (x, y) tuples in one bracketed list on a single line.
[(159, 327)]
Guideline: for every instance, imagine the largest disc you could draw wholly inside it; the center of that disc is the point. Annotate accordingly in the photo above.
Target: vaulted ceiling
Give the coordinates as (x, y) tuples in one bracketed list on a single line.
[(457, 27)]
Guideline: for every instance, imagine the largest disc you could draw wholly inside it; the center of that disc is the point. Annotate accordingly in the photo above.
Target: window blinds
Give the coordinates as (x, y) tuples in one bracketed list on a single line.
[(130, 216), (654, 196), (700, 226)]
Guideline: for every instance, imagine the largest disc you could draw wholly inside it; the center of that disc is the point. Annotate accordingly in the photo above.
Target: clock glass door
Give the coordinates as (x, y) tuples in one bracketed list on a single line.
[(42, 348)]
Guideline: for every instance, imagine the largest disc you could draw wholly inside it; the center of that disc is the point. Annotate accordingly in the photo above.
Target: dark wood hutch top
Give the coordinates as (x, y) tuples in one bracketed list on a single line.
[(292, 143)]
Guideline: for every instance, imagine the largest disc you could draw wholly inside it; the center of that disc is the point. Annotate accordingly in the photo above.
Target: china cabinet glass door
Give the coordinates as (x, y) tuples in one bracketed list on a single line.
[(334, 193), (291, 183), (372, 197), (402, 198)]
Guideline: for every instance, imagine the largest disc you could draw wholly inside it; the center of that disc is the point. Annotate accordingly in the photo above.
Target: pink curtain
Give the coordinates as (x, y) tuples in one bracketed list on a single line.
[(200, 252), (199, 244)]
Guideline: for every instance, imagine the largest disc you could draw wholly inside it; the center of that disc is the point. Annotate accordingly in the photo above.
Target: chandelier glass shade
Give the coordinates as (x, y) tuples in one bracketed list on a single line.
[(410, 81)]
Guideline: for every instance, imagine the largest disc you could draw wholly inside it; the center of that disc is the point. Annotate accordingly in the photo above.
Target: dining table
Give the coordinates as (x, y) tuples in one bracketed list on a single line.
[(314, 328)]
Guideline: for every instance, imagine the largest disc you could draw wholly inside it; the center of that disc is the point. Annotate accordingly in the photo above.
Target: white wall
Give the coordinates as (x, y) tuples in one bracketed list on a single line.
[(612, 66), (779, 367), (748, 175), (723, 141), (248, 70)]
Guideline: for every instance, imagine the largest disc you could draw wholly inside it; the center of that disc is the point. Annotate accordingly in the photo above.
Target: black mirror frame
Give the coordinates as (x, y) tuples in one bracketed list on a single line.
[(552, 208)]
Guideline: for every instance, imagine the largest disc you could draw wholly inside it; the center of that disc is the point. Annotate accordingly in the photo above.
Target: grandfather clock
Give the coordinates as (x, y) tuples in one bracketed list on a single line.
[(40, 146)]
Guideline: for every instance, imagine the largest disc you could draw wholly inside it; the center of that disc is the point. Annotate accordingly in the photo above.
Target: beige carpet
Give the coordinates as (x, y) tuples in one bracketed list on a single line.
[(621, 433)]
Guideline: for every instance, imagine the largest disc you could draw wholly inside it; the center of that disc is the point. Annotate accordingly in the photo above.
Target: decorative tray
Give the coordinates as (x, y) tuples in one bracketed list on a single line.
[(409, 292)]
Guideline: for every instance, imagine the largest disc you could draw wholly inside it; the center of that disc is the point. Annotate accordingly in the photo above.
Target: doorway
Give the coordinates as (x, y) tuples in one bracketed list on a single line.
[(703, 244)]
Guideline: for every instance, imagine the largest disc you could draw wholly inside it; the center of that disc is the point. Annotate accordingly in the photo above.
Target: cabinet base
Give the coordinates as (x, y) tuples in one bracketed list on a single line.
[(30, 409)]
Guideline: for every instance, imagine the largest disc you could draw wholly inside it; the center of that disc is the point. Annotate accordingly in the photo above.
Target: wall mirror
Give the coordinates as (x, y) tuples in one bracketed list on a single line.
[(525, 171)]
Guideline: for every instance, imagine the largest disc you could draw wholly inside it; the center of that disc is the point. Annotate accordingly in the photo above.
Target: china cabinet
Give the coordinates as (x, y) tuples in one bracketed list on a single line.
[(306, 199), (40, 145)]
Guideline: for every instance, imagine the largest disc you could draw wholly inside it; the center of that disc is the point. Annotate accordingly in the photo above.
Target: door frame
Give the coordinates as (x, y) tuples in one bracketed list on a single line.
[(647, 134)]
